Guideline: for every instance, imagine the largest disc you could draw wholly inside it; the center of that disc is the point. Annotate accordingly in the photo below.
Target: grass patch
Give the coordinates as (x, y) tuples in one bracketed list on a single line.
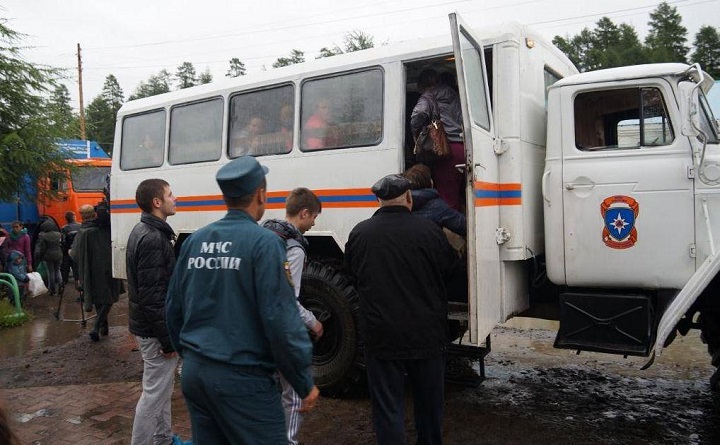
[(9, 317)]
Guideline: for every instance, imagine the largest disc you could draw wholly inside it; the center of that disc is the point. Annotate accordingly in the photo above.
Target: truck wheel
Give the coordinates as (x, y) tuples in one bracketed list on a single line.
[(710, 335), (338, 363)]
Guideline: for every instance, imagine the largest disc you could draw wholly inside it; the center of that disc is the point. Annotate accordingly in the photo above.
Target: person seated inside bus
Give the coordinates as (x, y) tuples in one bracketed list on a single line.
[(318, 132), (150, 151), (287, 121), (247, 141), (427, 202)]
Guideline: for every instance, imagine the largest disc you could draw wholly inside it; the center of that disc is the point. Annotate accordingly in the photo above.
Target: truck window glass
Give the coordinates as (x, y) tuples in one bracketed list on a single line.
[(143, 140), (621, 119), (550, 78), (196, 132), (89, 178), (262, 122), (342, 111), (708, 124), (475, 82)]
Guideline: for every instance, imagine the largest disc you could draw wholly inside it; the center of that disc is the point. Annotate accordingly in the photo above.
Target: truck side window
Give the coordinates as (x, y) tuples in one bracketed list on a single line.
[(143, 140), (196, 132), (262, 122), (342, 111), (621, 119)]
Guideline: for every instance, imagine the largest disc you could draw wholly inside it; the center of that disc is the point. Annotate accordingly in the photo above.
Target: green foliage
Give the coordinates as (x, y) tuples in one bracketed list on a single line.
[(296, 56), (101, 113), (355, 40), (707, 50), (61, 114), (156, 84), (237, 68), (8, 316), (186, 75), (27, 138), (666, 38), (205, 77)]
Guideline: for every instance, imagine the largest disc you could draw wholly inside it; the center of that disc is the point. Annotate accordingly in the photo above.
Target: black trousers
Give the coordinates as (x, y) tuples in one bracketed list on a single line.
[(101, 321), (386, 382), (65, 266)]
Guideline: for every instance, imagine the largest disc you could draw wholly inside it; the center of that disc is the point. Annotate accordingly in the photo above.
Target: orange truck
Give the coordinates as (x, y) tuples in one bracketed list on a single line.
[(83, 185)]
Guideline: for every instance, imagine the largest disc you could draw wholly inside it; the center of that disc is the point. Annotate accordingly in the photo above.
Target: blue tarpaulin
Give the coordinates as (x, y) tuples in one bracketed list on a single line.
[(79, 149)]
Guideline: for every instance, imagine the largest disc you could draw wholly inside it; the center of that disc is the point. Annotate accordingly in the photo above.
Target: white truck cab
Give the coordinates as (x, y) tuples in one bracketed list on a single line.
[(631, 195)]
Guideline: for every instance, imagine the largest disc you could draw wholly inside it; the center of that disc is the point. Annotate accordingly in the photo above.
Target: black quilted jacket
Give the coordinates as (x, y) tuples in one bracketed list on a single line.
[(150, 262)]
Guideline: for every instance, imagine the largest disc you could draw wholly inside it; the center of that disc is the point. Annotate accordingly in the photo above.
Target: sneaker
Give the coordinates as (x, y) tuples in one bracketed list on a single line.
[(177, 441)]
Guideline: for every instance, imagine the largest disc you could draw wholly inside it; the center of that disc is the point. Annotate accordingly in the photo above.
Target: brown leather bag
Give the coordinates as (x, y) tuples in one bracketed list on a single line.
[(432, 142)]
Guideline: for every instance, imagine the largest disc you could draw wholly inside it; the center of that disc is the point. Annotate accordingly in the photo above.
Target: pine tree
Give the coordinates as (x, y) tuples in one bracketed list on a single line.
[(205, 77), (237, 68), (27, 143), (61, 115), (666, 38), (156, 84), (296, 56), (186, 75), (707, 50), (352, 41), (102, 111)]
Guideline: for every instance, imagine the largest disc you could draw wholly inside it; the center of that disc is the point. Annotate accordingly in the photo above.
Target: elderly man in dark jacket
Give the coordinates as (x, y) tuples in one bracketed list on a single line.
[(150, 261), (400, 262), (92, 251)]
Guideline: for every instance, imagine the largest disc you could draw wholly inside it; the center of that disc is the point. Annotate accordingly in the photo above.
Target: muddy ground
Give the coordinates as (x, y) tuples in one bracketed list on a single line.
[(533, 394)]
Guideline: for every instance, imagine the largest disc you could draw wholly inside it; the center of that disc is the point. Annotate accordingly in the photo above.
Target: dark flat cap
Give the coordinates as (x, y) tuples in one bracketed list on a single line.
[(240, 177), (391, 186)]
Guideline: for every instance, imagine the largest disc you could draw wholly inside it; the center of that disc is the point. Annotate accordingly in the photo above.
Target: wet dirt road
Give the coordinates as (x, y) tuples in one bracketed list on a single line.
[(533, 394)]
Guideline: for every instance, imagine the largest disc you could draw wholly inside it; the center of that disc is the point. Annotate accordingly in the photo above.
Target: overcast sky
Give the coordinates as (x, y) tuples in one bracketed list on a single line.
[(134, 39)]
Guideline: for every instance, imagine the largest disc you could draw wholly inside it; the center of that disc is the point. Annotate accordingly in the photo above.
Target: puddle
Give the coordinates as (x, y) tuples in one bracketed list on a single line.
[(44, 330)]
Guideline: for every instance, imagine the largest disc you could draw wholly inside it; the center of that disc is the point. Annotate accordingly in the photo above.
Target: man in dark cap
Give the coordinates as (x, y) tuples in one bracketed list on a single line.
[(400, 262), (232, 317)]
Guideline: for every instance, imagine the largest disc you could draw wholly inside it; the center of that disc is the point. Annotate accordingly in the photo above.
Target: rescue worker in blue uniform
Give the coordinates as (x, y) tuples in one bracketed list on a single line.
[(232, 317)]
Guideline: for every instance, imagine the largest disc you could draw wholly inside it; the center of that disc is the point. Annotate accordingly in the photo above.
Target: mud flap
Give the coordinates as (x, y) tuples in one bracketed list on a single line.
[(682, 302), (612, 323)]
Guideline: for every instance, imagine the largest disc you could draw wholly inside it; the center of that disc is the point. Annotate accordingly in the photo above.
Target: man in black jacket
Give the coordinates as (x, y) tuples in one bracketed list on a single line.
[(150, 262), (400, 261)]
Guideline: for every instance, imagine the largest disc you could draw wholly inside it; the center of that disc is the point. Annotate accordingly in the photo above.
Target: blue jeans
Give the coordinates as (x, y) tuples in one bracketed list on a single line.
[(232, 405), (386, 382)]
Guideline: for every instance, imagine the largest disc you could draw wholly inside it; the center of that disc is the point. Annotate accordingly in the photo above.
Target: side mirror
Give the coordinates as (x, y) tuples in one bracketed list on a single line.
[(689, 109)]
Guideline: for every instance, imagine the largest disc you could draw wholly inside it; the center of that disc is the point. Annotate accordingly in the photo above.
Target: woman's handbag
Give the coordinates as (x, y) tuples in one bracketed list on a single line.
[(432, 142)]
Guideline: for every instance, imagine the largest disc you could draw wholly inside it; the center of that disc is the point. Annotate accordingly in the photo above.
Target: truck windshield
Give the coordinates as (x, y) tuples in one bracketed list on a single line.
[(708, 123), (89, 178)]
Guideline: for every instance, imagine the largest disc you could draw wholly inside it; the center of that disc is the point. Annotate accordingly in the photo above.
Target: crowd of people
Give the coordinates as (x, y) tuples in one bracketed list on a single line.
[(228, 304)]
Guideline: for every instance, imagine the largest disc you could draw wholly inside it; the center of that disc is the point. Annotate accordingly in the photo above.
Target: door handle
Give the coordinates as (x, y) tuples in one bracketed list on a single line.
[(579, 185), (543, 185)]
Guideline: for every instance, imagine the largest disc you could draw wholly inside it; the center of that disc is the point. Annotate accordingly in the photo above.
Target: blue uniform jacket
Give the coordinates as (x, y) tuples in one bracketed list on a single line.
[(230, 300)]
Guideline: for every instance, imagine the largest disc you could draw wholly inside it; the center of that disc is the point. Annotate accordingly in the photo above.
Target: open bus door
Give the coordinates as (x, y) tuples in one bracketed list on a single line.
[(483, 254)]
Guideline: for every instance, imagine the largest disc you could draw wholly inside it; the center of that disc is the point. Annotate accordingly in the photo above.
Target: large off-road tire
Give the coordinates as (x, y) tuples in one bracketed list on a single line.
[(338, 364)]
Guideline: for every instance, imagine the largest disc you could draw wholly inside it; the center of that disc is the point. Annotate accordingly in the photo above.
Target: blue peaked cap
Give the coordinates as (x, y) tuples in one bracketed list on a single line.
[(240, 177)]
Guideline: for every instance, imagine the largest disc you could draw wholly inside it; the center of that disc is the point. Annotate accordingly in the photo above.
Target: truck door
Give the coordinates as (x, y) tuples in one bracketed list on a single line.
[(627, 187), (484, 290)]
